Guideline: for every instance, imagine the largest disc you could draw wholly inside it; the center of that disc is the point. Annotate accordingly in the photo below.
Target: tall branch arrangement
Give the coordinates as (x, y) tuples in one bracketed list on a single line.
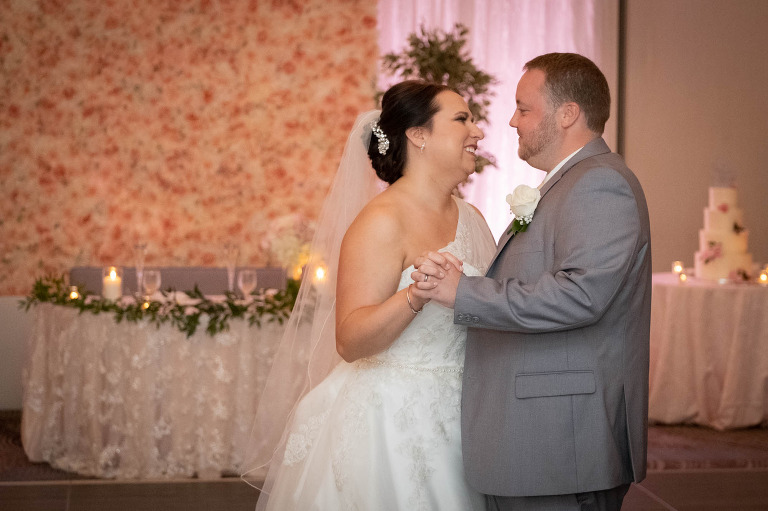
[(441, 57)]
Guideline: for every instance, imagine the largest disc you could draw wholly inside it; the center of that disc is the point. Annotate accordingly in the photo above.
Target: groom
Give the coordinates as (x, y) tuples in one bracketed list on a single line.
[(555, 399)]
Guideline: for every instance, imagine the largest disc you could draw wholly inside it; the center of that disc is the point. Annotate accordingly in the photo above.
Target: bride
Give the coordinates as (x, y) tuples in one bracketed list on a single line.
[(378, 428)]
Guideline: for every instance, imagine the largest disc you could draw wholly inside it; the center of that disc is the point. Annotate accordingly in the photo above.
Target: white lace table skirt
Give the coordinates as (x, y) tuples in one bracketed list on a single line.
[(131, 400), (709, 353)]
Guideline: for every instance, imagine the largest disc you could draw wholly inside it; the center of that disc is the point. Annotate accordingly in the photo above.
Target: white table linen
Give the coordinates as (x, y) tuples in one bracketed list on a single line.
[(709, 353), (131, 400)]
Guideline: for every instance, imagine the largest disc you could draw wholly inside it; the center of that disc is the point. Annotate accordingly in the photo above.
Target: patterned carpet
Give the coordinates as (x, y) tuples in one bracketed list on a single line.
[(669, 448), (693, 447)]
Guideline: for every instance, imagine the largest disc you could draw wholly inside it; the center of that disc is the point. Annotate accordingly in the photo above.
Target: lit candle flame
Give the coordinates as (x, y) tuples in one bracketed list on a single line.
[(112, 274), (320, 274), (677, 267)]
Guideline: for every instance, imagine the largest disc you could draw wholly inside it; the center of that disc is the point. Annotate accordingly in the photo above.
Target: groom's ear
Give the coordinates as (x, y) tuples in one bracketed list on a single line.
[(569, 113), (415, 135)]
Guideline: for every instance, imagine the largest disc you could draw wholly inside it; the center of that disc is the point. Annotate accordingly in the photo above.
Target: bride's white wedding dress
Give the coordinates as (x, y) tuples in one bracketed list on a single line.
[(383, 433)]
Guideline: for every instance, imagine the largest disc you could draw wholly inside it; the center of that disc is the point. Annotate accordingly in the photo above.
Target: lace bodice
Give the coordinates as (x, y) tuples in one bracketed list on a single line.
[(432, 341)]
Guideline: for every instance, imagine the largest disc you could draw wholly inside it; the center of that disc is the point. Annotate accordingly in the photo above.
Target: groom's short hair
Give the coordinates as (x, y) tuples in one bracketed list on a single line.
[(571, 77)]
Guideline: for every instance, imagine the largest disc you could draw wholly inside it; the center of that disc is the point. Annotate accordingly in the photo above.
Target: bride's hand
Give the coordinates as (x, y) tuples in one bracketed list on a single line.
[(436, 284), (435, 263), (426, 270)]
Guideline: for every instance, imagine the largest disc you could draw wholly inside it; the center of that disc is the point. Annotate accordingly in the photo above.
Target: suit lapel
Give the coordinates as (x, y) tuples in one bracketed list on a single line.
[(593, 148)]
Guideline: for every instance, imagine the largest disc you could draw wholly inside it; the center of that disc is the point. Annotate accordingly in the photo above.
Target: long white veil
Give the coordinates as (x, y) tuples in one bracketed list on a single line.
[(307, 352)]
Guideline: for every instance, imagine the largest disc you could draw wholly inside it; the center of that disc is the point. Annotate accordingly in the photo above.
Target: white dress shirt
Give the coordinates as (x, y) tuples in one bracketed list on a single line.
[(559, 166)]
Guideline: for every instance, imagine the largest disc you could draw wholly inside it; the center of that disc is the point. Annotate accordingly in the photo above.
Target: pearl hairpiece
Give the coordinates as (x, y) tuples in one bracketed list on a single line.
[(381, 137)]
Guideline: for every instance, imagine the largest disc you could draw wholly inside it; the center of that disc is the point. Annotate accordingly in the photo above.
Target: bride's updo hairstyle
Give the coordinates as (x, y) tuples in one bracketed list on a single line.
[(408, 104)]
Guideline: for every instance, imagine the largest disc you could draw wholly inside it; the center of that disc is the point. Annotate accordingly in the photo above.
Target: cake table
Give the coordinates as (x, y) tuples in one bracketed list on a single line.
[(709, 353)]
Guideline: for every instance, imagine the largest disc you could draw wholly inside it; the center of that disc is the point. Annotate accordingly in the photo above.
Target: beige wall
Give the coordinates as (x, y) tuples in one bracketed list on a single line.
[(697, 97)]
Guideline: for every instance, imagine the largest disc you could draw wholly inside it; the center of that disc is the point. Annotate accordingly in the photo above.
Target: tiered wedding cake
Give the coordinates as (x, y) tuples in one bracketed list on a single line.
[(722, 250)]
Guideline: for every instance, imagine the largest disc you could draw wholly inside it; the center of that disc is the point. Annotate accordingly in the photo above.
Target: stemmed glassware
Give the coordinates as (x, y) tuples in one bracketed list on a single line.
[(151, 282), (231, 252), (139, 253), (246, 281)]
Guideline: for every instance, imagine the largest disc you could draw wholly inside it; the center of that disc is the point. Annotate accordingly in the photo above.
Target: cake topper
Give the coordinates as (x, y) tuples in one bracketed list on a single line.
[(722, 176)]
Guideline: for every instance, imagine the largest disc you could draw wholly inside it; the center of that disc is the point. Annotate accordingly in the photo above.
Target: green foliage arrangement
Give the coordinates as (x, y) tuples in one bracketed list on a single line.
[(187, 318), (441, 57)]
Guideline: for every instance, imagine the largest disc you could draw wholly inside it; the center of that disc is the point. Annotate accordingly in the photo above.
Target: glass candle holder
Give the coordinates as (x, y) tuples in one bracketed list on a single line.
[(762, 279), (682, 277), (112, 282), (295, 272), (677, 267), (74, 294)]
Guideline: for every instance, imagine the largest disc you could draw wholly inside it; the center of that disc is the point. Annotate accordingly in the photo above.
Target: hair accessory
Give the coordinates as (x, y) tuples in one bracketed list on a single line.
[(381, 137)]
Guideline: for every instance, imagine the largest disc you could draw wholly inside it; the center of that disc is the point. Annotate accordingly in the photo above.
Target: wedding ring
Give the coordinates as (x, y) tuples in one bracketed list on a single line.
[(426, 278)]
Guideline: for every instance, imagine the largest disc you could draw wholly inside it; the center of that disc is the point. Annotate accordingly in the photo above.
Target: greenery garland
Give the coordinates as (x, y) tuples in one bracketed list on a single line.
[(186, 317)]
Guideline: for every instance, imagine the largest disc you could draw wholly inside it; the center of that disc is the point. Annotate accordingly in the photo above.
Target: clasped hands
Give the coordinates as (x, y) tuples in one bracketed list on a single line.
[(436, 277)]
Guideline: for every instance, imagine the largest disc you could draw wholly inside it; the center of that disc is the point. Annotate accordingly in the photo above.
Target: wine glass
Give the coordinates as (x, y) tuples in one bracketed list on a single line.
[(151, 281), (246, 281), (139, 253), (231, 253)]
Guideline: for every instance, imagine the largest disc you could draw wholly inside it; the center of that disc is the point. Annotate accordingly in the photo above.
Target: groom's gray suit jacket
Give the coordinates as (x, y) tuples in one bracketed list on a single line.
[(555, 395)]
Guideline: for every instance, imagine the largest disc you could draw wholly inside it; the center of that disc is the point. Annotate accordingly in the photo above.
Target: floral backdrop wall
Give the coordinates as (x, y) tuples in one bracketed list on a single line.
[(184, 124)]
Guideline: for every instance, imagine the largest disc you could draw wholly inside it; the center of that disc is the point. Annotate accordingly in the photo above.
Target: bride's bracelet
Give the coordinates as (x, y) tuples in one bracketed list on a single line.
[(408, 297)]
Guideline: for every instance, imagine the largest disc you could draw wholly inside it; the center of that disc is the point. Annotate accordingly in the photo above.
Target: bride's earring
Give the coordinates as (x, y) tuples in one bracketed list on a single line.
[(422, 147)]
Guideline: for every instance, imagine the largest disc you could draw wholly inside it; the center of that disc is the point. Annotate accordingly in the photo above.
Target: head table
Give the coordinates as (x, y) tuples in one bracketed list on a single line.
[(709, 353), (137, 400)]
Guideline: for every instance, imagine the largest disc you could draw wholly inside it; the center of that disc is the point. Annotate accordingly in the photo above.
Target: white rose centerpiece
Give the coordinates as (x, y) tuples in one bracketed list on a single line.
[(288, 241), (522, 203)]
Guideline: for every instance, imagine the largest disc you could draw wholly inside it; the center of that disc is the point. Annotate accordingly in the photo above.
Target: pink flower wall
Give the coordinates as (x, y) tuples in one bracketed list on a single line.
[(186, 124)]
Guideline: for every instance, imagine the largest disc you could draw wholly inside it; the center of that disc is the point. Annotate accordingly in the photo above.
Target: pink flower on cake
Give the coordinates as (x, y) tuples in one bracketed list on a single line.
[(723, 207), (714, 251), (739, 275)]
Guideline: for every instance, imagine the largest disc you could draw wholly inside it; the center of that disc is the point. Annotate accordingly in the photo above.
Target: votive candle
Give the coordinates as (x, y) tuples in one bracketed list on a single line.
[(320, 274), (677, 267), (112, 284)]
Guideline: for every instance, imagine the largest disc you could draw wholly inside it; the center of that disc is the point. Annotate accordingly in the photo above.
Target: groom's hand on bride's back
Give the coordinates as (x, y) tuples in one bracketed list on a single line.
[(437, 276)]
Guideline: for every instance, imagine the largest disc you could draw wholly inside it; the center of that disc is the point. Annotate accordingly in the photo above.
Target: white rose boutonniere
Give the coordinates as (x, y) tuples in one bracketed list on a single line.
[(522, 203)]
